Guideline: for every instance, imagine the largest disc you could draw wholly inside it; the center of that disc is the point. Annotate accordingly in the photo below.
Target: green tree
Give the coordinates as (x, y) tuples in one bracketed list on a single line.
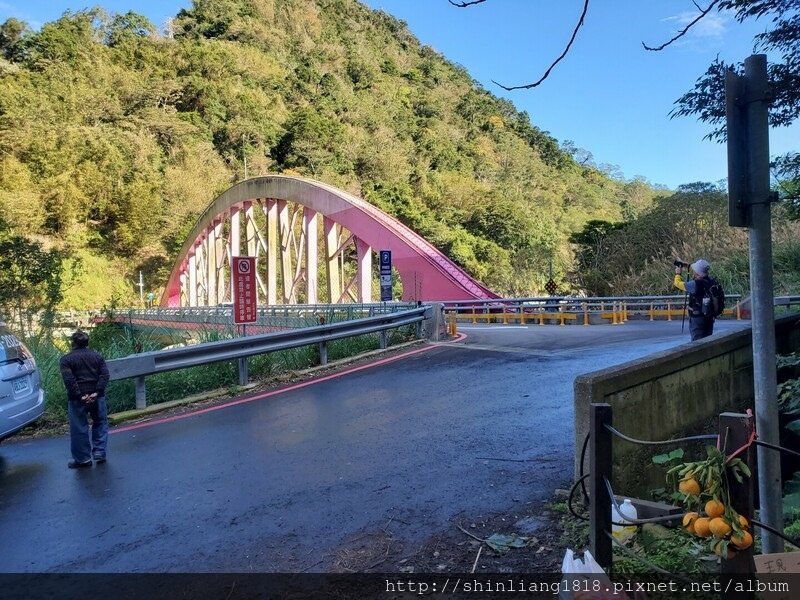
[(13, 36), (30, 281)]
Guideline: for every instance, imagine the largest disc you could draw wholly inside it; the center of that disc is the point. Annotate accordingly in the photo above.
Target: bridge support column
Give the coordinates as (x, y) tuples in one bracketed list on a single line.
[(250, 228), (310, 234), (331, 230), (271, 214), (285, 236), (193, 279), (364, 275)]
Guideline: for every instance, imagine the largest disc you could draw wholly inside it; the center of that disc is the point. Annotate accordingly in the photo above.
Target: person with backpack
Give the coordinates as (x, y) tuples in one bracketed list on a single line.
[(706, 299)]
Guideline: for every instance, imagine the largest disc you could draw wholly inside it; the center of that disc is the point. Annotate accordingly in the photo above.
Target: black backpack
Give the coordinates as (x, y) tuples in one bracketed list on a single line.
[(709, 298)]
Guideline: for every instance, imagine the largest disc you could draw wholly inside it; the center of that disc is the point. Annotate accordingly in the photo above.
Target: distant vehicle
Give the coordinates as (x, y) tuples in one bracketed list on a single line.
[(21, 393)]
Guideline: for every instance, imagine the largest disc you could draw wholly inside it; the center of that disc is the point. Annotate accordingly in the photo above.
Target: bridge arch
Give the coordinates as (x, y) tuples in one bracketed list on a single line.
[(275, 218)]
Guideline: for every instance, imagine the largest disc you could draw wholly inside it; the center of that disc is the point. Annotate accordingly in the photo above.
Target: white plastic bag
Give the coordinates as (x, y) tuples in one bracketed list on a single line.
[(584, 579)]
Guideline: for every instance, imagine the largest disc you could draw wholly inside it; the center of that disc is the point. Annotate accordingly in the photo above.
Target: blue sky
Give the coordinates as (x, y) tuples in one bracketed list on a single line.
[(608, 95)]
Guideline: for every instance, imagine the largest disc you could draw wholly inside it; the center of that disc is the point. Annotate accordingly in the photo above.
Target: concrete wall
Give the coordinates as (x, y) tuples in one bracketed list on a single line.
[(671, 394)]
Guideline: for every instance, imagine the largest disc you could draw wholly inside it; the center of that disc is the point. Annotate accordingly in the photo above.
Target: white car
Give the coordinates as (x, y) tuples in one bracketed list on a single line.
[(21, 393)]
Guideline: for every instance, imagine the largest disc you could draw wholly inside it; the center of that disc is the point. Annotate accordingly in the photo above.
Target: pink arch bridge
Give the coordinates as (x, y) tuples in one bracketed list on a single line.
[(276, 219)]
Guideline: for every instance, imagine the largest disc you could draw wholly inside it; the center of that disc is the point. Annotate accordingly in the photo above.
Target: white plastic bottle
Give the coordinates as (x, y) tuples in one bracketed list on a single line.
[(627, 514)]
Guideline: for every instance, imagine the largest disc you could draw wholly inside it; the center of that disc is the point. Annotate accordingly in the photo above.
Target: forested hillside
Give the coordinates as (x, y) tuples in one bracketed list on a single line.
[(115, 136)]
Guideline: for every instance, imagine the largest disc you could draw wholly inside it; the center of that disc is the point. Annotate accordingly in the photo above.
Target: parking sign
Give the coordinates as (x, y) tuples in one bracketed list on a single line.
[(386, 275)]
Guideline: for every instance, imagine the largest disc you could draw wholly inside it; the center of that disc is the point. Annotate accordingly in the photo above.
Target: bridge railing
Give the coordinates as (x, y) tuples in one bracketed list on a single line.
[(585, 311), (140, 365)]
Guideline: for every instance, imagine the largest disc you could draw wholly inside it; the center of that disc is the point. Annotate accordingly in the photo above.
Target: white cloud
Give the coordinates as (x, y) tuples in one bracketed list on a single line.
[(712, 25)]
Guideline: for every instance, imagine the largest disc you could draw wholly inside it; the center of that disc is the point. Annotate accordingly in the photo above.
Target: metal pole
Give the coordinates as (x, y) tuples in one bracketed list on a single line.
[(600, 460), (244, 375), (761, 282)]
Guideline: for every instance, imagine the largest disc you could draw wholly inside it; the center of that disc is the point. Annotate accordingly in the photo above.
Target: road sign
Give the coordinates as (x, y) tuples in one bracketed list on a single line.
[(244, 289), (386, 275), (551, 287)]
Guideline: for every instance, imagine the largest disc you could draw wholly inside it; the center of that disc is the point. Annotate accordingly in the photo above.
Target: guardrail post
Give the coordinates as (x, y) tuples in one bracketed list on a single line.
[(599, 472), (141, 393), (323, 353), (585, 313), (384, 338), (244, 375)]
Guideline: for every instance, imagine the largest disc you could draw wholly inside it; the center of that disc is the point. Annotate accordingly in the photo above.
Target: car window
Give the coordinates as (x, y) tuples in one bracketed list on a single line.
[(11, 349)]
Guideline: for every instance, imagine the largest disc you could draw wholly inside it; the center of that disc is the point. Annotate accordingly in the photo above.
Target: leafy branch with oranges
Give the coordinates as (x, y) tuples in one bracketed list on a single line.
[(703, 487)]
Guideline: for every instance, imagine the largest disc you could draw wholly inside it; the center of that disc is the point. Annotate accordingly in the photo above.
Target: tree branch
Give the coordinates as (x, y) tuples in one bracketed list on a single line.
[(558, 60), (683, 31)]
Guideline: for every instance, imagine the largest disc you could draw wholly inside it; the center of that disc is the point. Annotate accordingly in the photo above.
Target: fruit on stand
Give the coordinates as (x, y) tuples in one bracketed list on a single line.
[(689, 486), (714, 508), (688, 521), (703, 487), (742, 542), (701, 527), (719, 527)]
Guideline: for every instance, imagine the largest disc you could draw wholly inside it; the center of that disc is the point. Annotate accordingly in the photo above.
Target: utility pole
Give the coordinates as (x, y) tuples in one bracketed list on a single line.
[(747, 100)]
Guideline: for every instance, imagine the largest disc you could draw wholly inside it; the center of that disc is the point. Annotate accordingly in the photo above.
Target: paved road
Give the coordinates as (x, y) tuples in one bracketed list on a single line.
[(274, 481)]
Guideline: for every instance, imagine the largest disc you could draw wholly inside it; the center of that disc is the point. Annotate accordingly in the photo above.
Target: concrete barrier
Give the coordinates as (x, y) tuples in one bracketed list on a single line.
[(676, 393)]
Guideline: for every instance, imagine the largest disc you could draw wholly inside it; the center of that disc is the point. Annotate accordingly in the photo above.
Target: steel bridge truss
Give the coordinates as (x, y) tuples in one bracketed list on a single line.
[(296, 228), (284, 238)]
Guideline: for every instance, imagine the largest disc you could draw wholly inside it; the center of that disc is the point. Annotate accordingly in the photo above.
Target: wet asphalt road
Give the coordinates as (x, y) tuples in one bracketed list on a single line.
[(275, 482)]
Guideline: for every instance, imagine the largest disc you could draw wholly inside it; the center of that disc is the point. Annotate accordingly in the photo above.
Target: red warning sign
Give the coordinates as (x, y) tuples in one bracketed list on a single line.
[(244, 290)]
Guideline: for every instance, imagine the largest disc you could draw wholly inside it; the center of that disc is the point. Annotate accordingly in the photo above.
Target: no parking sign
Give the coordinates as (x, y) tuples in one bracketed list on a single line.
[(244, 289)]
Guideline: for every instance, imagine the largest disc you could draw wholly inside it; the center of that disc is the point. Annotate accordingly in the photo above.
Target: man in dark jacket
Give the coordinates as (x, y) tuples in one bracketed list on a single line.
[(701, 325), (85, 375)]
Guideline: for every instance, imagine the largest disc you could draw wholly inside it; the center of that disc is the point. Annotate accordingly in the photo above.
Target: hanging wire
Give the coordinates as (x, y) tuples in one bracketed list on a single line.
[(707, 436), (776, 532), (572, 495), (774, 447)]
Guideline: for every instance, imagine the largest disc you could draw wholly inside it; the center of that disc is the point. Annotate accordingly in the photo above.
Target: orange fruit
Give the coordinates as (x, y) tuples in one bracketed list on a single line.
[(701, 527), (743, 542), (719, 527), (688, 521), (714, 508), (745, 524), (689, 486)]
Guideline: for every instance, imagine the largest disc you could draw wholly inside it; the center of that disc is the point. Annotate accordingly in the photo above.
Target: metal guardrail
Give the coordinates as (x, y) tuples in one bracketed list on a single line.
[(563, 309), (224, 312), (149, 363)]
